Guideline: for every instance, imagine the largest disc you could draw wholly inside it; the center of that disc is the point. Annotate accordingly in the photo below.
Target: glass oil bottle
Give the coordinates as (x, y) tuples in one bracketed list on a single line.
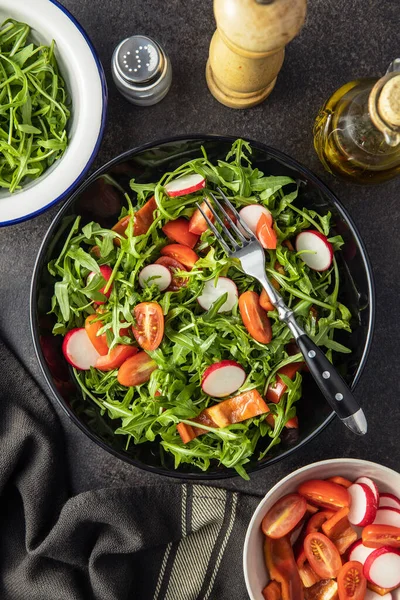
[(357, 131)]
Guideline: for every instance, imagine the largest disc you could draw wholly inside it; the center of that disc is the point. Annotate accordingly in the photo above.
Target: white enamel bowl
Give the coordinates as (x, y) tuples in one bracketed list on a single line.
[(255, 572), (84, 77)]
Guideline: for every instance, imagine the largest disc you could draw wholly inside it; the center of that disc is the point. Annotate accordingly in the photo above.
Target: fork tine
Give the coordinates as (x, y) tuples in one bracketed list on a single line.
[(224, 227), (236, 214), (215, 231), (239, 233)]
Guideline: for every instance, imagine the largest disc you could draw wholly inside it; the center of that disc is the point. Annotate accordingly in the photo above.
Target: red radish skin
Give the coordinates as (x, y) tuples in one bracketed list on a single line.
[(363, 505), (162, 276), (382, 567), (223, 378), (371, 485), (185, 185), (79, 350), (212, 292), (359, 552), (387, 516), (371, 595), (389, 501), (251, 215), (320, 259), (105, 271)]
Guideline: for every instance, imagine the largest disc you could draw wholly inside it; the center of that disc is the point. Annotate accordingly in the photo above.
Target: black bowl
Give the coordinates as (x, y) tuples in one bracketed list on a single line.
[(97, 200)]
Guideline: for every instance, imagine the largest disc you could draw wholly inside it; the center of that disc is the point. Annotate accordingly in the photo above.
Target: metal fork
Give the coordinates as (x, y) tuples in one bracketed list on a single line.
[(242, 244)]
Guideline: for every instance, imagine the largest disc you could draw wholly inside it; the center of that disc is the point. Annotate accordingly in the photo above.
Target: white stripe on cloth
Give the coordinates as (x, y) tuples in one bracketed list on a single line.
[(162, 570), (194, 551)]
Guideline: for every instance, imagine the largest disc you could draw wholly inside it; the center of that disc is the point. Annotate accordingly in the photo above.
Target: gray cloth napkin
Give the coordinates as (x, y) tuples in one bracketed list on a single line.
[(163, 542)]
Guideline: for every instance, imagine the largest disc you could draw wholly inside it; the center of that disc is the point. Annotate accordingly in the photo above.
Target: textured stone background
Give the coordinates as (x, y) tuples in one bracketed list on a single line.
[(341, 40)]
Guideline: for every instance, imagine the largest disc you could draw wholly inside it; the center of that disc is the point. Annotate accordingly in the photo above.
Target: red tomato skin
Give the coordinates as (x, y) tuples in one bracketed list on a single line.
[(292, 507), (352, 584), (173, 265), (178, 231), (376, 536), (327, 494), (254, 318), (136, 370), (317, 544), (182, 254), (99, 342), (275, 391), (149, 328), (116, 357), (266, 233), (197, 223)]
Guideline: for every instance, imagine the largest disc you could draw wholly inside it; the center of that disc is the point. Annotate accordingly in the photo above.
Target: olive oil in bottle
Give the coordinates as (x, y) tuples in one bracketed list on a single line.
[(357, 131)]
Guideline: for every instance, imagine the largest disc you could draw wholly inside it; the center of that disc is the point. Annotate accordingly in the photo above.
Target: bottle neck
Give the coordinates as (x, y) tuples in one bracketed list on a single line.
[(384, 107)]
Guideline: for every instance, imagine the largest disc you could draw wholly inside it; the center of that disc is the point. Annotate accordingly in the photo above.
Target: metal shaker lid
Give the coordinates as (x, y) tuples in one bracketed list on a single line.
[(139, 60), (389, 101)]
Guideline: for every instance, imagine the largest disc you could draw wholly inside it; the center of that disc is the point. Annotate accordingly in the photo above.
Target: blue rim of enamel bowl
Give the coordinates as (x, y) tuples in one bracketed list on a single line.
[(101, 131)]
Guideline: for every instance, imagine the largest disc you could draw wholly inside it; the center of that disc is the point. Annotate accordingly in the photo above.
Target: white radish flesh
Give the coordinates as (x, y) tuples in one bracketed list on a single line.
[(363, 505), (212, 292), (185, 185), (359, 552), (319, 253), (389, 500), (370, 595), (79, 350), (387, 516), (382, 568), (251, 215), (367, 481), (155, 275), (223, 378)]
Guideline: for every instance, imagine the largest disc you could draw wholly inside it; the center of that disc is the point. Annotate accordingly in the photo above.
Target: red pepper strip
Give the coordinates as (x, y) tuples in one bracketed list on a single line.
[(275, 391), (282, 567)]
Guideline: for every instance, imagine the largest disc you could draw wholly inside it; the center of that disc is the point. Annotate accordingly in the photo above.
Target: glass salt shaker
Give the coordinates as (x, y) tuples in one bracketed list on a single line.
[(141, 70)]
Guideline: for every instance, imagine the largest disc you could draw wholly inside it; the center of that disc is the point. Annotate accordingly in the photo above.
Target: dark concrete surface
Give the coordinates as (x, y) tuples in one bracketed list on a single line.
[(342, 40)]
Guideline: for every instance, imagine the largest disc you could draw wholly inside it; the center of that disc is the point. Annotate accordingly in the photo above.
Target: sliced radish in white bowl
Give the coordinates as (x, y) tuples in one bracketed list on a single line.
[(363, 505), (155, 275), (223, 378), (371, 485), (79, 350), (382, 568), (185, 185), (319, 253), (371, 595), (389, 501), (387, 516), (251, 215), (212, 292), (359, 552)]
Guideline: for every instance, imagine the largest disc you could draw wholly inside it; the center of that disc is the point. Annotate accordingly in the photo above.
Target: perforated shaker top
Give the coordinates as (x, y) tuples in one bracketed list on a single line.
[(139, 60)]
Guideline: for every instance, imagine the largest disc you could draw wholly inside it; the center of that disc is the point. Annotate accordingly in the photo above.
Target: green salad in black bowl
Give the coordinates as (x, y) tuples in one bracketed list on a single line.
[(157, 344)]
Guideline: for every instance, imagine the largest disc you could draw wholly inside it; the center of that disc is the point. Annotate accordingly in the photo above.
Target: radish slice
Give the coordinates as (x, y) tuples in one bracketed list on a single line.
[(155, 275), (387, 516), (371, 595), (320, 255), (212, 292), (223, 378), (359, 552), (185, 185), (79, 350), (371, 485), (389, 500), (105, 271), (251, 215), (382, 567), (363, 505)]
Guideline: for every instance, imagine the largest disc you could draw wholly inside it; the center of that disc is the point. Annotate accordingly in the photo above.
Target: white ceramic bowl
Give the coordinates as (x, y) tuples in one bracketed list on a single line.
[(84, 77), (255, 571)]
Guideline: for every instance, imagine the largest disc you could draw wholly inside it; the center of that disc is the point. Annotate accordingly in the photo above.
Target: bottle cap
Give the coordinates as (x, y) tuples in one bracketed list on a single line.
[(389, 101), (141, 70)]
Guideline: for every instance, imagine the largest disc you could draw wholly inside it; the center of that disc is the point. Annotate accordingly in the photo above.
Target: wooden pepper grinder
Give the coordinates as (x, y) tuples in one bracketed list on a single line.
[(248, 47)]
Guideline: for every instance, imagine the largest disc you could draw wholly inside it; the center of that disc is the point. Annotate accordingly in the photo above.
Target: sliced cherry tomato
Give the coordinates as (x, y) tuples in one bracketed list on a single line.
[(337, 524), (114, 359), (341, 481), (95, 251), (178, 231), (120, 228), (143, 218), (322, 555), (325, 493), (276, 390), (282, 567), (293, 423), (197, 223), (352, 584), (255, 319), (266, 234), (185, 255), (376, 536), (272, 591), (265, 302), (149, 328), (136, 370), (284, 515), (98, 341), (316, 521), (173, 265)]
